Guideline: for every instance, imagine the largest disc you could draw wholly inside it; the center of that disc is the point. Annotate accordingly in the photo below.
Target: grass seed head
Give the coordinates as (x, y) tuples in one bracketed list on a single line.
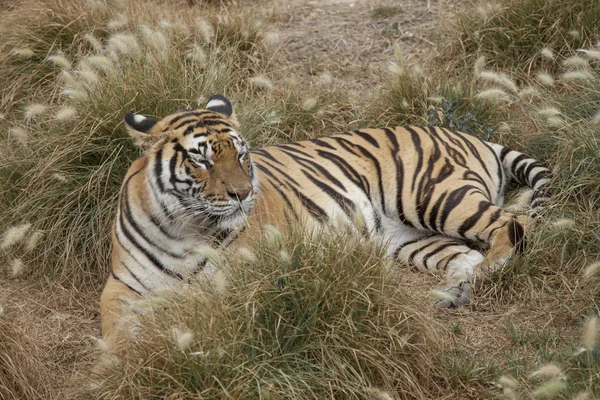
[(273, 235), (590, 331), (596, 118), (591, 270), (548, 371), (119, 22), (545, 79), (66, 114), (14, 235), (555, 122), (574, 34), (500, 79), (124, 44), (581, 75), (19, 134), (94, 42), (395, 69), (548, 53), (591, 54), (262, 83), (309, 104), (33, 240), (528, 93), (507, 382), (550, 389), (247, 255), (60, 61), (197, 54), (101, 63), (493, 95), (183, 338), (285, 257), (34, 111), (24, 54), (326, 78), (88, 75), (17, 267), (205, 30), (549, 112), (575, 62), (479, 64)]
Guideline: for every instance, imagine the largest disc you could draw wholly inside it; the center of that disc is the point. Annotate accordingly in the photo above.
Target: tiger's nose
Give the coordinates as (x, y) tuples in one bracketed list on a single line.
[(239, 194)]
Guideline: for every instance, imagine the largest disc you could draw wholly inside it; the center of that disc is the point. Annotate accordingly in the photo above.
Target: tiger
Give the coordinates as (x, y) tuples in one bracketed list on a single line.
[(429, 196)]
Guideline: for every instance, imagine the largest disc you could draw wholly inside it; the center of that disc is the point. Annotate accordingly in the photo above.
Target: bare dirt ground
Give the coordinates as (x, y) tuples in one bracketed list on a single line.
[(354, 40)]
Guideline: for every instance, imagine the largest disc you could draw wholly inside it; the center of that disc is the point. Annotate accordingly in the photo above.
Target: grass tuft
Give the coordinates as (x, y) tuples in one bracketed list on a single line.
[(298, 324)]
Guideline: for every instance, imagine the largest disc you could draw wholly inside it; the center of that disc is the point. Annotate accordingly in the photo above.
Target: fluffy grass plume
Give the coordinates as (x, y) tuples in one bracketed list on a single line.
[(14, 235), (262, 83), (547, 53), (19, 134), (545, 79), (66, 113), (590, 332), (60, 61), (499, 79), (34, 111), (493, 95)]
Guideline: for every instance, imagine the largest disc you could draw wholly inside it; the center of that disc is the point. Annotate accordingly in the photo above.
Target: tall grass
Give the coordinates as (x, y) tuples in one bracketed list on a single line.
[(295, 317), (515, 32)]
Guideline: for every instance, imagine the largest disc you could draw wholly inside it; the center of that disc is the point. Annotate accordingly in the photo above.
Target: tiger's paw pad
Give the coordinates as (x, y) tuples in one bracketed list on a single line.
[(454, 295)]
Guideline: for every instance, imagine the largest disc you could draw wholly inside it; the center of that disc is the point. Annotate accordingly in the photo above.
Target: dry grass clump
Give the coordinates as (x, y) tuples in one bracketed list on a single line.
[(302, 317), (20, 376), (520, 34)]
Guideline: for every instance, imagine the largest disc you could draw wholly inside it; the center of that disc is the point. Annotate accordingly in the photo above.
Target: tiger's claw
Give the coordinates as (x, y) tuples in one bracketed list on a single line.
[(458, 294)]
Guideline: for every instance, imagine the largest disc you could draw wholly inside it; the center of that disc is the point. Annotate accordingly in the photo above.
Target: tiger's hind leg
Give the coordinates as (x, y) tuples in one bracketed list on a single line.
[(438, 252), (478, 220)]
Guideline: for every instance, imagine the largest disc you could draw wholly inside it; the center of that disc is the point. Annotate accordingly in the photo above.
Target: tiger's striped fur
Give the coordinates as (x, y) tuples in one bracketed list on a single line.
[(423, 193)]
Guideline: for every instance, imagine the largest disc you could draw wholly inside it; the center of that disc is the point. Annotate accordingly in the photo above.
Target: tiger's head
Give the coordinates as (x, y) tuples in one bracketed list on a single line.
[(198, 159)]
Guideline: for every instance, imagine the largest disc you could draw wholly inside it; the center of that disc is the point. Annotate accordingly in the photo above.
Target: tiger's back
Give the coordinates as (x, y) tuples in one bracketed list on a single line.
[(403, 175)]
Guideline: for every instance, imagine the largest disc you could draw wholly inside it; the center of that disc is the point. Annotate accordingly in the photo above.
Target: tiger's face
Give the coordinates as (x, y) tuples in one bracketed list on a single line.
[(199, 158)]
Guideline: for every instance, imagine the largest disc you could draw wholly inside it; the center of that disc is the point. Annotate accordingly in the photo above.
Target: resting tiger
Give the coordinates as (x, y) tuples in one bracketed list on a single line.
[(425, 193)]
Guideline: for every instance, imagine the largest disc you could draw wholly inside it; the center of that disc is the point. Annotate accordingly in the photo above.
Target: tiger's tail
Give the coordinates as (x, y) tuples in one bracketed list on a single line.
[(526, 171)]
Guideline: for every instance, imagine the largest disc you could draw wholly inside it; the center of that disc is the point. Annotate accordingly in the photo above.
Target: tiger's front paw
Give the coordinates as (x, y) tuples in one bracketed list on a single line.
[(453, 295)]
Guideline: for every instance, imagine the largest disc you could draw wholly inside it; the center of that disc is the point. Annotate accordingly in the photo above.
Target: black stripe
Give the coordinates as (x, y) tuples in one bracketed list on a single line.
[(376, 164), (268, 155), (367, 137), (312, 165), (322, 143), (454, 199), (124, 283), (158, 169), (399, 175), (472, 220), (185, 115), (345, 203), (417, 145), (427, 256), (403, 245), (350, 173), (417, 251), (311, 206), (474, 150)]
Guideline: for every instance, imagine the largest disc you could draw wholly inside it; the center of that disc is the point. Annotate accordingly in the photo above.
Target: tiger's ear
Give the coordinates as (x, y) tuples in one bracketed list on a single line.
[(222, 105), (138, 127)]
